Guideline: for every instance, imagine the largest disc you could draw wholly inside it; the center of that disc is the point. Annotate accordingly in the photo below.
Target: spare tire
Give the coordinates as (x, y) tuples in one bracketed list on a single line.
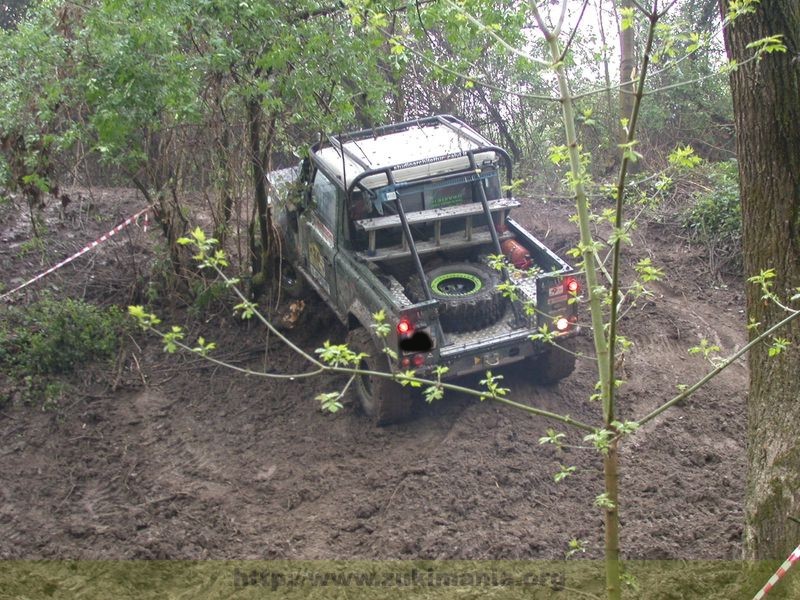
[(467, 294)]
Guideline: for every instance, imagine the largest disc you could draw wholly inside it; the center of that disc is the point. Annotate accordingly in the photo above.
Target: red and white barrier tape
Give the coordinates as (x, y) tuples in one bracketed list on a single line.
[(793, 558), (84, 250)]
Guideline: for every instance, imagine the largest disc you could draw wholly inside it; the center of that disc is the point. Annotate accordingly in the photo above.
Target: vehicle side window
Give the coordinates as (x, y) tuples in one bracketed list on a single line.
[(323, 198)]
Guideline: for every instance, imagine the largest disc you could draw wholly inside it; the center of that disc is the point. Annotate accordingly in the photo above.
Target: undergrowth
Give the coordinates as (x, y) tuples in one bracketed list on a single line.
[(715, 219), (50, 337)]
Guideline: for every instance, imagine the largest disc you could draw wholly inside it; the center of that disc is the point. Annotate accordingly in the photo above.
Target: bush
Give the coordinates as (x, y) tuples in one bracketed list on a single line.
[(716, 217), (52, 337)]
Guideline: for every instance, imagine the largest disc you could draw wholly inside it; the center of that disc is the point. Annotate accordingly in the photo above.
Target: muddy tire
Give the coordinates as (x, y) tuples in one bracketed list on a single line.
[(467, 294), (552, 366), (381, 399)]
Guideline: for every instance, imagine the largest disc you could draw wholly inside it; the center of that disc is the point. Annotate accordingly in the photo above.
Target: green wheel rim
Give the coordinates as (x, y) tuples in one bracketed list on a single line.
[(456, 284)]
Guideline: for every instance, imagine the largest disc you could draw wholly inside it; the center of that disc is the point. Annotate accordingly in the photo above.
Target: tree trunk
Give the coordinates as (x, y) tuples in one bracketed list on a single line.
[(627, 68), (610, 121), (259, 158), (766, 98), (611, 521), (223, 179)]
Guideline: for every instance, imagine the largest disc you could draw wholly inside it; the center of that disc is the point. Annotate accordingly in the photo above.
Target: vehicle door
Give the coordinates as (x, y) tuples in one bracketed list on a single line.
[(319, 226)]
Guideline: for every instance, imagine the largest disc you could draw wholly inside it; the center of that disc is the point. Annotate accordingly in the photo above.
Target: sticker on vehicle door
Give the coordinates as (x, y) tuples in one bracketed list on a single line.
[(315, 260)]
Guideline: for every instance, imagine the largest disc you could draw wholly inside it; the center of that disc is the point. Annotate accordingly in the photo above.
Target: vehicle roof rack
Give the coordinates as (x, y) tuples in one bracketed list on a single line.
[(405, 152)]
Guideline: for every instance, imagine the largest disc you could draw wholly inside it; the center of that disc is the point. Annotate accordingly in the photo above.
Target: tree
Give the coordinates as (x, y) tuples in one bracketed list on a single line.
[(144, 74), (627, 64), (287, 64), (33, 114), (766, 99), (159, 91)]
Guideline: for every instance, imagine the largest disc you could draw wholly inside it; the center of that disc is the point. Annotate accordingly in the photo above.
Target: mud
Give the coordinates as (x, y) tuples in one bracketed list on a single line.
[(159, 456)]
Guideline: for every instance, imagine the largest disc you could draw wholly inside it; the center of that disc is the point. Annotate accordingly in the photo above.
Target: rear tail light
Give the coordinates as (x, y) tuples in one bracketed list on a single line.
[(417, 360), (562, 324), (405, 328), (572, 286)]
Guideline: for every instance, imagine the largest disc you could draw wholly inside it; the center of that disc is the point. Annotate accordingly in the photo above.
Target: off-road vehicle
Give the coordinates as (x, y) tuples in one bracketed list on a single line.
[(410, 219)]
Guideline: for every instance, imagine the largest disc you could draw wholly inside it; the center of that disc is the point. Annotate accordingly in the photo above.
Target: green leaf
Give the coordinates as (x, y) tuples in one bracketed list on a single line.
[(563, 473), (778, 345), (433, 393), (705, 348), (203, 347), (768, 45), (144, 319), (247, 308), (172, 338), (544, 334), (199, 236), (600, 439), (552, 437), (339, 355), (729, 67), (625, 428), (684, 158), (603, 501), (330, 401), (575, 546), (492, 384), (621, 234), (627, 20), (508, 290), (737, 8), (647, 272), (408, 378), (559, 154), (628, 151)]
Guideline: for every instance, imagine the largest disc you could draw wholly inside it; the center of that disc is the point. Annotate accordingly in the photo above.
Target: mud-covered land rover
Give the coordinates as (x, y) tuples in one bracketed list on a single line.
[(404, 218)]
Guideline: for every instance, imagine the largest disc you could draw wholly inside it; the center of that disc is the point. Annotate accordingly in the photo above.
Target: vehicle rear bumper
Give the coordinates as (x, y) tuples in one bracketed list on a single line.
[(495, 353)]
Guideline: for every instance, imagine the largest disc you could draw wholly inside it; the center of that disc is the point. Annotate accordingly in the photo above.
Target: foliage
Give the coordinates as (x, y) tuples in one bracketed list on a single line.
[(152, 65), (51, 337), (33, 123), (139, 75), (715, 219), (54, 337), (691, 102), (161, 91)]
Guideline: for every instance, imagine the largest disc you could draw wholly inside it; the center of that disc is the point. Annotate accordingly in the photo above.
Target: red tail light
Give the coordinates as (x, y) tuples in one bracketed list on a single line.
[(572, 286), (405, 328), (417, 361), (562, 324)]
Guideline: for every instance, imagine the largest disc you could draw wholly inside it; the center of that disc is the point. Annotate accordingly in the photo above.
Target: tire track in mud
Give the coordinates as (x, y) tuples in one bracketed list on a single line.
[(487, 469), (213, 465)]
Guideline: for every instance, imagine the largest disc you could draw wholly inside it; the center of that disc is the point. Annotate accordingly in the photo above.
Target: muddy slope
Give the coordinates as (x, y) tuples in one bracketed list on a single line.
[(167, 457)]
